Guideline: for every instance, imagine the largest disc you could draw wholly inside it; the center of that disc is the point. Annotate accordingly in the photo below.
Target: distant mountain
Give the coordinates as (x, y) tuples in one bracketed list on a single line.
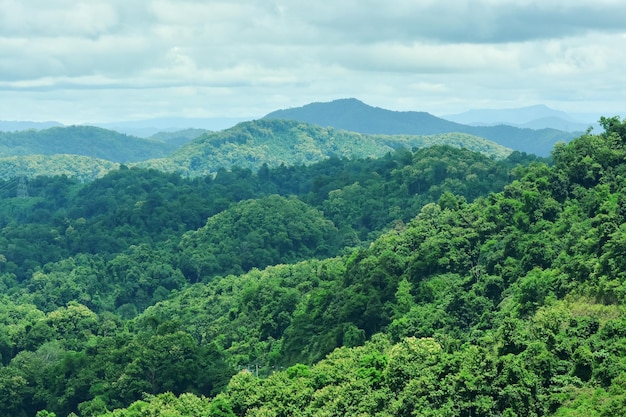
[(149, 127), (179, 137), (533, 117), (559, 124), (354, 115), (275, 142), (516, 116), (88, 141), (12, 126)]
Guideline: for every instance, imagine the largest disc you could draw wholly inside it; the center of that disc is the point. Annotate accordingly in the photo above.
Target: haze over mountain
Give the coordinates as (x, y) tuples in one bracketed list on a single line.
[(14, 125), (178, 137), (354, 115), (533, 117), (147, 127)]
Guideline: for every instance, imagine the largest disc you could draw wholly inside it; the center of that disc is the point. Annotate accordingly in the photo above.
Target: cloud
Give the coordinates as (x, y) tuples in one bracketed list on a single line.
[(252, 56), (60, 18), (459, 21)]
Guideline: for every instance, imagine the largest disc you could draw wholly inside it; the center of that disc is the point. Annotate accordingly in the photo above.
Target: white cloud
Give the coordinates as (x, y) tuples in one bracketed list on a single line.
[(60, 18), (119, 59)]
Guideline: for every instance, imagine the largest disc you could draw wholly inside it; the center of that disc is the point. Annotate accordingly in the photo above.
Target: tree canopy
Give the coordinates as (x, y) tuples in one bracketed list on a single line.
[(431, 282)]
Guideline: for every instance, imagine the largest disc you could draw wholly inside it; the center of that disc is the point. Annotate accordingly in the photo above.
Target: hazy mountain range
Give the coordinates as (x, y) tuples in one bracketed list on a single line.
[(12, 126), (532, 117), (342, 128), (82, 140), (354, 115), (149, 127)]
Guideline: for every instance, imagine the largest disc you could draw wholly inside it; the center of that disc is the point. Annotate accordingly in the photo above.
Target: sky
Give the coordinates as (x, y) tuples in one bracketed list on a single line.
[(86, 61)]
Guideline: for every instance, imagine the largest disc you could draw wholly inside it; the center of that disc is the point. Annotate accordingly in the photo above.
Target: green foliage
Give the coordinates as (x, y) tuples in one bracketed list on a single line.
[(179, 137), (166, 404), (275, 142), (81, 167), (507, 303), (81, 140), (257, 233), (121, 230)]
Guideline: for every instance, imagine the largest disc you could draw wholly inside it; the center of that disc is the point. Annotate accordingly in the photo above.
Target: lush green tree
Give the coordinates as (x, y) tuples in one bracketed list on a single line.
[(256, 233)]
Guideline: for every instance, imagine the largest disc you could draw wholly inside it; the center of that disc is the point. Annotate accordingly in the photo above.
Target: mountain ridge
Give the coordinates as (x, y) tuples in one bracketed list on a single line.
[(89, 141), (87, 152), (249, 145), (534, 117), (354, 115), (17, 125)]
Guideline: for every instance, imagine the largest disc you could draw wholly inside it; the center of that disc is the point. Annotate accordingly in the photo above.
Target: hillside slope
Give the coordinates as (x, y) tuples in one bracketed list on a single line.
[(80, 263), (509, 306), (356, 116), (195, 152), (178, 137), (83, 168), (88, 141), (275, 142)]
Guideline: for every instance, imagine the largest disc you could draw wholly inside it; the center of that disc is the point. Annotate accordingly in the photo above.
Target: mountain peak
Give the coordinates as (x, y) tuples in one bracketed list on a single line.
[(357, 116), (354, 115)]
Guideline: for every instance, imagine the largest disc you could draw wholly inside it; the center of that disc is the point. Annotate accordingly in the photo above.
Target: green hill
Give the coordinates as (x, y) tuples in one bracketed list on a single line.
[(195, 152), (504, 301), (257, 233), (83, 168), (276, 142), (178, 137), (63, 217), (80, 262), (88, 141), (508, 306), (356, 116)]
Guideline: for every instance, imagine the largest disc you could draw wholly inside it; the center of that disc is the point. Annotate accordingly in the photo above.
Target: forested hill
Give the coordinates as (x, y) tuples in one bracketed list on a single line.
[(87, 141), (508, 306), (88, 153), (82, 168), (80, 261), (275, 142), (125, 297), (178, 137), (356, 116)]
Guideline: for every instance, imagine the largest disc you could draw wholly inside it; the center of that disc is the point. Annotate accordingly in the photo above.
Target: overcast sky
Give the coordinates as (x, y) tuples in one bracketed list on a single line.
[(100, 61)]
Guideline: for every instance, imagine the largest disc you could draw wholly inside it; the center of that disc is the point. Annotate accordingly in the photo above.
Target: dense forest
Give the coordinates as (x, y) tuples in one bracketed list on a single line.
[(89, 141), (275, 142), (88, 153), (104, 251), (435, 282)]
